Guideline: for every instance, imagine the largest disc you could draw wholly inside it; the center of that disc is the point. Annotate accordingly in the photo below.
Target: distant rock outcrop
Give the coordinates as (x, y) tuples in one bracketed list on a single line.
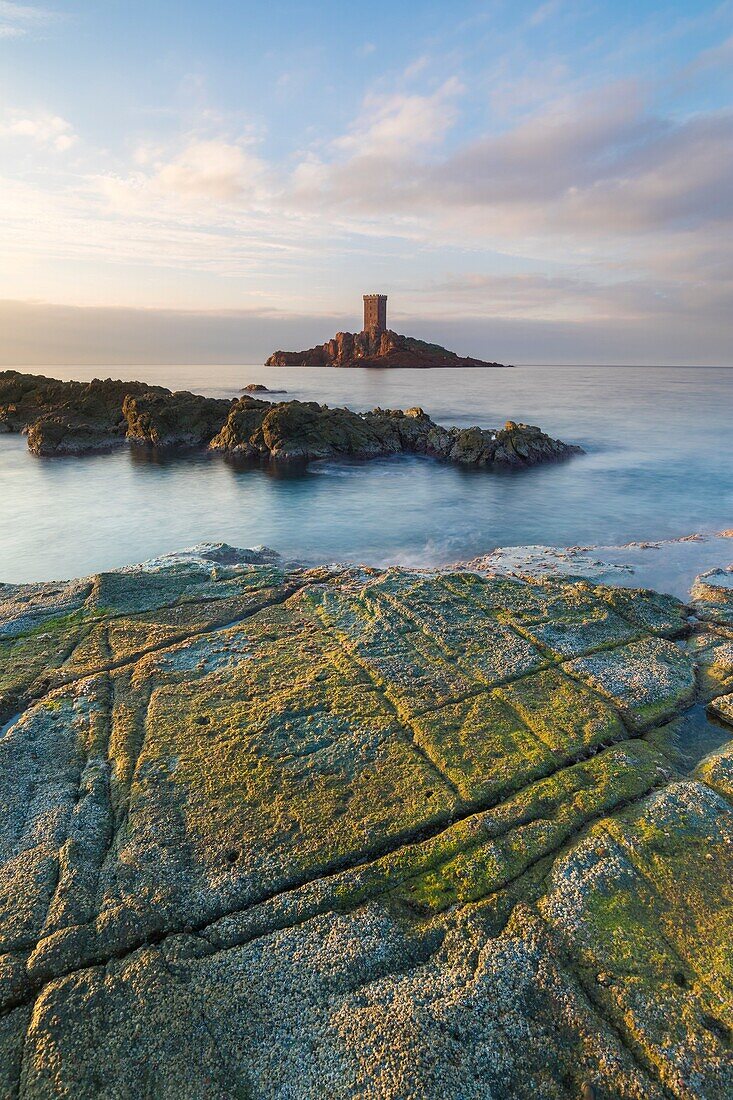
[(257, 387), (372, 348)]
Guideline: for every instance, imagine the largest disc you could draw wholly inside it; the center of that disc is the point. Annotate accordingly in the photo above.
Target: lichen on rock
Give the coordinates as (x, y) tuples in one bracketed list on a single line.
[(361, 832)]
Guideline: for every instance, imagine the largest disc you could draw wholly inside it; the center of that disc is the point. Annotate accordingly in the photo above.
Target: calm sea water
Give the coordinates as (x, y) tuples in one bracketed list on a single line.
[(659, 465)]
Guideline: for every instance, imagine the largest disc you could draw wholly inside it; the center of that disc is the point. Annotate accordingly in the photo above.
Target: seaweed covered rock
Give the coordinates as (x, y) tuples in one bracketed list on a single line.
[(59, 434), (356, 832), (307, 431)]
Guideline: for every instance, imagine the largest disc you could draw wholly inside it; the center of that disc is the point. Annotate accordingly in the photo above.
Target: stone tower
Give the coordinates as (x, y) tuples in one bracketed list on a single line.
[(375, 312)]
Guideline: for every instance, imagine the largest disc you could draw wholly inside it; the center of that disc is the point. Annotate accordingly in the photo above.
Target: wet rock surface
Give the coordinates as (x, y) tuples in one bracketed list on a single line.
[(269, 831), (67, 418), (372, 348)]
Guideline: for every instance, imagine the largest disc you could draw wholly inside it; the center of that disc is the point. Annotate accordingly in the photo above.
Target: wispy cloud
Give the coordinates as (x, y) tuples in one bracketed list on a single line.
[(544, 12), (600, 164), (720, 56), (397, 124), (204, 170), (17, 20)]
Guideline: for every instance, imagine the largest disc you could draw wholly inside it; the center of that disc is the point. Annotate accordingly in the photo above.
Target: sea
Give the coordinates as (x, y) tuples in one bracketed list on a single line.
[(658, 465)]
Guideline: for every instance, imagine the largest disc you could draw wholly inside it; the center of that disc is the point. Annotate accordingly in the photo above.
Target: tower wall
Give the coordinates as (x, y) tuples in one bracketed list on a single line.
[(375, 312)]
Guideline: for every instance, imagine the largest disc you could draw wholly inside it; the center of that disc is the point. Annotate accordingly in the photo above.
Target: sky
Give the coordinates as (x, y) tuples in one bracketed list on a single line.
[(528, 181)]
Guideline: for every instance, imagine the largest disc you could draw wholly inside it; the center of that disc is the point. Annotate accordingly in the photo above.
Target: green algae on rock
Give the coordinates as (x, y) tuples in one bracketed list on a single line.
[(368, 833)]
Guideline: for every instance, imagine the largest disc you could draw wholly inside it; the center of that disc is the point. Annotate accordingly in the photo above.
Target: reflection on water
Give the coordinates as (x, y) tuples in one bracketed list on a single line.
[(689, 739), (658, 465)]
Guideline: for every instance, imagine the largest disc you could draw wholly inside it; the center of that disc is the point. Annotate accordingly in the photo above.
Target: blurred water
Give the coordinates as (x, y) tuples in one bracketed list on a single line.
[(659, 446)]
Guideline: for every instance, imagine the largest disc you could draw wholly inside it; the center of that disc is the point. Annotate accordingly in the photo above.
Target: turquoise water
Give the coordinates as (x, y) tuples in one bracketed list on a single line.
[(659, 465)]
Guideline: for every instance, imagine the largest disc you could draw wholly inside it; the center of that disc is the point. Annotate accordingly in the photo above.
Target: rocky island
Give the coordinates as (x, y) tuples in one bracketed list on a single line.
[(273, 831), (374, 346), (63, 418)]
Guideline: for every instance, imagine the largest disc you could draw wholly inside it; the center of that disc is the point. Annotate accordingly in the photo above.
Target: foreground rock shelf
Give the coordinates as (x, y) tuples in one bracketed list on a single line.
[(66, 418), (269, 831)]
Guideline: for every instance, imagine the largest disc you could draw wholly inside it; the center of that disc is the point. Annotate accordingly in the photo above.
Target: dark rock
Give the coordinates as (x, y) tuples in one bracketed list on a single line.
[(66, 417), (372, 348), (306, 431), (51, 436), (179, 419), (75, 417), (257, 387), (25, 398)]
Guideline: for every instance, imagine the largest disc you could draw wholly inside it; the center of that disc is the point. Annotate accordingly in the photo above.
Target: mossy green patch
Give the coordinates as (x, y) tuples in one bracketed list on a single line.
[(499, 845), (565, 715), (483, 745)]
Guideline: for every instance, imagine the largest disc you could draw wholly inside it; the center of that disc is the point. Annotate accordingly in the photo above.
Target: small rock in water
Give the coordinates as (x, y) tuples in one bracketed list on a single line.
[(257, 387)]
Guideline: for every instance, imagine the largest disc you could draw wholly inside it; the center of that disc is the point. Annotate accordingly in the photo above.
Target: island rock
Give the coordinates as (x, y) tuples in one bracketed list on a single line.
[(372, 348)]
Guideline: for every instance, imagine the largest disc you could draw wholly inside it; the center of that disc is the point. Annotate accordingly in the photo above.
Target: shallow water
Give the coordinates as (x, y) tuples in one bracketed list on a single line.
[(659, 465)]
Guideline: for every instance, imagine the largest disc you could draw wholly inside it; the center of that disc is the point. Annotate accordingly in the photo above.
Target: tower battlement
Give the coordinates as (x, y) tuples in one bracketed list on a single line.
[(375, 312)]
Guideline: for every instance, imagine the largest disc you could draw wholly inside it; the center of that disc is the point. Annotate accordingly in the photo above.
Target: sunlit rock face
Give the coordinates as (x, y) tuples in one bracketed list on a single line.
[(270, 831), (374, 348)]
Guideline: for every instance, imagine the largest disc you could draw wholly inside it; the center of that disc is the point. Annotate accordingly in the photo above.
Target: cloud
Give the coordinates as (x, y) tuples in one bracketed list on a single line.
[(572, 297), (395, 124), (614, 212), (601, 165), (541, 296), (720, 56), (203, 172), (544, 12), (613, 170), (210, 169), (381, 155), (17, 20), (42, 128)]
